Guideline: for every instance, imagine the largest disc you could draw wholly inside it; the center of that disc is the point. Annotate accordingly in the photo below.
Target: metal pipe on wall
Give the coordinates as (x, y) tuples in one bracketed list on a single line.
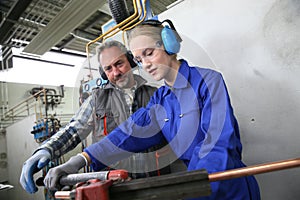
[(6, 96), (2, 99)]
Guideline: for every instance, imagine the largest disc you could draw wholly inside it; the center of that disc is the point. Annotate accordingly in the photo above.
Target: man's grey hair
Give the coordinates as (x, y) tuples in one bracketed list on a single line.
[(109, 44)]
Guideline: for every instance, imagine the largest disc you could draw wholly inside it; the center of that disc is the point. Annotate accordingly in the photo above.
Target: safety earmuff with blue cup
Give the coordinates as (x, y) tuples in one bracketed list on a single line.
[(170, 38)]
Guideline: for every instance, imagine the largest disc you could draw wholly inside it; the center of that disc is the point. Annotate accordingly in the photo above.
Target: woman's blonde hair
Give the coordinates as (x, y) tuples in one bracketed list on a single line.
[(153, 32), (153, 29)]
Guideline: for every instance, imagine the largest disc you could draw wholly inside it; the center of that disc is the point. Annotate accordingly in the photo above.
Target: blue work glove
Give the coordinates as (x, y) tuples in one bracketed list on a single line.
[(34, 164), (72, 166)]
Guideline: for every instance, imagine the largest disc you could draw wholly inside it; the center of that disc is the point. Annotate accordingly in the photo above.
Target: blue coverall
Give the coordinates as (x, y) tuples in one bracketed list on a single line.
[(196, 118)]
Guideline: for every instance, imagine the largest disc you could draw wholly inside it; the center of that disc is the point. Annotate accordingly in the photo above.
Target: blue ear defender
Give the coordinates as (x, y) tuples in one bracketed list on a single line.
[(170, 38)]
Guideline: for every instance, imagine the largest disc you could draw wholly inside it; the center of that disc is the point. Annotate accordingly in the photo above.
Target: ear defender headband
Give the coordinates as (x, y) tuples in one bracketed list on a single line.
[(102, 73), (170, 38), (129, 57)]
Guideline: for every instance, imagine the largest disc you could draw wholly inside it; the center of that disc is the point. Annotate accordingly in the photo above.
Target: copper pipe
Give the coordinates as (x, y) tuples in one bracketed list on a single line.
[(64, 194), (255, 169)]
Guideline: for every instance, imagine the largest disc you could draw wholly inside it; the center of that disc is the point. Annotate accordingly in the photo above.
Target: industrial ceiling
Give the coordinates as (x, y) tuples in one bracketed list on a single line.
[(65, 26)]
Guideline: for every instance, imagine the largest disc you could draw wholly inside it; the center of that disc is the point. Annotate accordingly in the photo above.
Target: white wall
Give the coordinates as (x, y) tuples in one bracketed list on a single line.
[(20, 146), (3, 159), (48, 72), (255, 45), (19, 143)]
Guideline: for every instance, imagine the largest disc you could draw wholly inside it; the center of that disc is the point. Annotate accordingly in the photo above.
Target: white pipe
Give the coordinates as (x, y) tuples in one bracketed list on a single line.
[(2, 98), (6, 96)]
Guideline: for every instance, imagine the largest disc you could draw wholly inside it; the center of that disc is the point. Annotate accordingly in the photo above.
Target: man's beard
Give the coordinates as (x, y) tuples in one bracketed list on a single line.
[(122, 81)]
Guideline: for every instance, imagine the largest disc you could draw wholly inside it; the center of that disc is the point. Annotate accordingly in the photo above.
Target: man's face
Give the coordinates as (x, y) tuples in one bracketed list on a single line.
[(116, 67)]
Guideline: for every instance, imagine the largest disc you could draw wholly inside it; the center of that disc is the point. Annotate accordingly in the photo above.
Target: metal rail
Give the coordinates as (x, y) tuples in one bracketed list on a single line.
[(21, 110), (31, 105), (11, 111)]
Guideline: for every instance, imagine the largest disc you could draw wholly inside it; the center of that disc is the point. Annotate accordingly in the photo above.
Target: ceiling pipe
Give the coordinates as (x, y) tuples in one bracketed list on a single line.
[(65, 22), (13, 16), (81, 33)]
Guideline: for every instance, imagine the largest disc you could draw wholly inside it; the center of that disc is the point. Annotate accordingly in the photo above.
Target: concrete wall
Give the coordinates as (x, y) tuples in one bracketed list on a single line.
[(255, 45)]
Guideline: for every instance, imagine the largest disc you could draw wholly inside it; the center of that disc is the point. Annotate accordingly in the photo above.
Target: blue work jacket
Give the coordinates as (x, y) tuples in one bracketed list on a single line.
[(196, 118)]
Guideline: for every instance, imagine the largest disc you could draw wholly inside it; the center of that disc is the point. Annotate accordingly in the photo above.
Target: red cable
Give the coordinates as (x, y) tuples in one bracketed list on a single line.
[(104, 125), (157, 163)]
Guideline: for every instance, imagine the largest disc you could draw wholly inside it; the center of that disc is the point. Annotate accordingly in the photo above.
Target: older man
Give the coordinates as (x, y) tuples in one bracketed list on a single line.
[(103, 111)]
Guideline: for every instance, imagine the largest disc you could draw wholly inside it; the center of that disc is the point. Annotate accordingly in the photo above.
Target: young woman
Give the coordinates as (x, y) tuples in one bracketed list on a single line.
[(192, 111)]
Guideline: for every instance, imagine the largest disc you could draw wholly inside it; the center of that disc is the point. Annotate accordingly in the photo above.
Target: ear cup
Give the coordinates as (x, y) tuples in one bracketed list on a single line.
[(130, 59), (169, 39)]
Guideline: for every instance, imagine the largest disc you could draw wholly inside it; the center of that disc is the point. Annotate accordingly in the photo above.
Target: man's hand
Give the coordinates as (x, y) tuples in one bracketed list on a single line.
[(34, 164), (75, 163)]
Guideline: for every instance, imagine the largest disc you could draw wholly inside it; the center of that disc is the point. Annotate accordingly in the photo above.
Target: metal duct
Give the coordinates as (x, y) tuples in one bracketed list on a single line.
[(65, 22)]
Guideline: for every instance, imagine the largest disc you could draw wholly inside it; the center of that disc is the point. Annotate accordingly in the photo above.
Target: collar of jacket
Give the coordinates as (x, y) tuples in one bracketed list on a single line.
[(182, 77), (139, 82)]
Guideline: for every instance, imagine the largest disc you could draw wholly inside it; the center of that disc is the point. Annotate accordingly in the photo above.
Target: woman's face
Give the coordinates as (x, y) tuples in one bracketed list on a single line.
[(151, 55)]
